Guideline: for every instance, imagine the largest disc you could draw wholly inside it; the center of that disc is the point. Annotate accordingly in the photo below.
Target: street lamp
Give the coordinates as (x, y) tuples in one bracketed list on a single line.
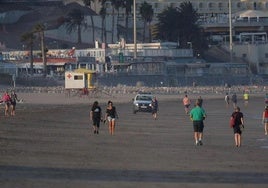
[(230, 31), (135, 30)]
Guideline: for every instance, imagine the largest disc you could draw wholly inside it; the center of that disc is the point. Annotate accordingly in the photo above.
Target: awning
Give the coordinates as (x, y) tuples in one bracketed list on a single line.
[(85, 71)]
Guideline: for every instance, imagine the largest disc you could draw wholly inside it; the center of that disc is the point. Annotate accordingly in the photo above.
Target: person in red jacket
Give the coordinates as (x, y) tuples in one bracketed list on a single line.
[(7, 100), (265, 120)]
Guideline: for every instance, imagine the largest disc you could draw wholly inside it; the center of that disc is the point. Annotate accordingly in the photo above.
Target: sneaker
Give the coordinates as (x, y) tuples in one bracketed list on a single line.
[(197, 143), (200, 143)]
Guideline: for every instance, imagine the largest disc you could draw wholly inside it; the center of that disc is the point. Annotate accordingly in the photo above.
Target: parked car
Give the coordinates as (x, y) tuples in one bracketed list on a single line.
[(142, 102)]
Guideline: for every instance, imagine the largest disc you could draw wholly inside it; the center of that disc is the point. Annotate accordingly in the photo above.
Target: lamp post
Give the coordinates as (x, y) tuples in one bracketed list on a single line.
[(134, 30), (230, 31)]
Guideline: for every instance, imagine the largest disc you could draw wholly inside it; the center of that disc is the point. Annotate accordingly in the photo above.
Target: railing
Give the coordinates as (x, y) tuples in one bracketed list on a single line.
[(236, 23)]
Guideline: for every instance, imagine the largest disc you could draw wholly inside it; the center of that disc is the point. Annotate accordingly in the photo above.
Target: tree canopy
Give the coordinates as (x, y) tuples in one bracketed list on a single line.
[(180, 25), (74, 21), (147, 13)]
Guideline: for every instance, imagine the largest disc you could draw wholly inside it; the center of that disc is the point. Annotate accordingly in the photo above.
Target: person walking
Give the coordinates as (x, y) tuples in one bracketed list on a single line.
[(234, 100), (110, 116), (96, 116), (7, 100), (266, 99), (13, 102), (246, 98), (265, 120), (200, 100), (197, 115), (154, 107), (238, 125), (186, 102), (227, 99)]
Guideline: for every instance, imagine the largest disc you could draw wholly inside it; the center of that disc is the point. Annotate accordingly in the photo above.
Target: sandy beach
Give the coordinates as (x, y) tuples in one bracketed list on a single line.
[(50, 143)]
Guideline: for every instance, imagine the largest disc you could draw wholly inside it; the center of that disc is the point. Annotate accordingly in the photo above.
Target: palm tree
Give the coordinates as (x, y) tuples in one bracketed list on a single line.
[(146, 12), (88, 3), (116, 5), (103, 13), (168, 29), (188, 27), (184, 30), (40, 29), (103, 26), (29, 38), (74, 21), (127, 4), (112, 3)]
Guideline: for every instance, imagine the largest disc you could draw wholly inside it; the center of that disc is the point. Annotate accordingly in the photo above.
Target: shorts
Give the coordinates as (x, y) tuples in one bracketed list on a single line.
[(154, 111), (265, 120), (13, 104), (109, 118), (198, 126), (7, 103), (237, 130), (96, 122), (187, 105)]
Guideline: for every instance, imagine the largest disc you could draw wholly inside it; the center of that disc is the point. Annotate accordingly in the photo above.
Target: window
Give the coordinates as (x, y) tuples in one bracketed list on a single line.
[(78, 77), (220, 6), (254, 5), (210, 5)]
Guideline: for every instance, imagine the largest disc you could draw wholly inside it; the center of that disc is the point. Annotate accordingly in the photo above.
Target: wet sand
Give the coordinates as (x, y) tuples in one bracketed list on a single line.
[(50, 143)]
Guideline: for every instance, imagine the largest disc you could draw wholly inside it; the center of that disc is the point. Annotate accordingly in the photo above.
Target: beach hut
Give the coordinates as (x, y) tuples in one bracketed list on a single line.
[(80, 79)]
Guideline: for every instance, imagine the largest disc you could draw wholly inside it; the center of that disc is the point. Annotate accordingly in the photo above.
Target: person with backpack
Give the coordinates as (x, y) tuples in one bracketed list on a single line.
[(238, 125)]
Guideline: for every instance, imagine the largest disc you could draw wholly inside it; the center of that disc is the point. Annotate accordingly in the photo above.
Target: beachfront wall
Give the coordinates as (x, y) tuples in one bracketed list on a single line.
[(8, 68), (163, 73), (255, 54)]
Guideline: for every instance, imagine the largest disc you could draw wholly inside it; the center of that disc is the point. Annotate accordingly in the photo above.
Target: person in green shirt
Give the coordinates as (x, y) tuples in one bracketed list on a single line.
[(197, 115)]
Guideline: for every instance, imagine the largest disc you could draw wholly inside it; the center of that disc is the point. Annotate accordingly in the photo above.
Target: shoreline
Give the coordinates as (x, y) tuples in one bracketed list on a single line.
[(123, 94)]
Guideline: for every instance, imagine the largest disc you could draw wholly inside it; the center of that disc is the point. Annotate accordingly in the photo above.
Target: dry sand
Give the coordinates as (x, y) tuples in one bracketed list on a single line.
[(49, 143)]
